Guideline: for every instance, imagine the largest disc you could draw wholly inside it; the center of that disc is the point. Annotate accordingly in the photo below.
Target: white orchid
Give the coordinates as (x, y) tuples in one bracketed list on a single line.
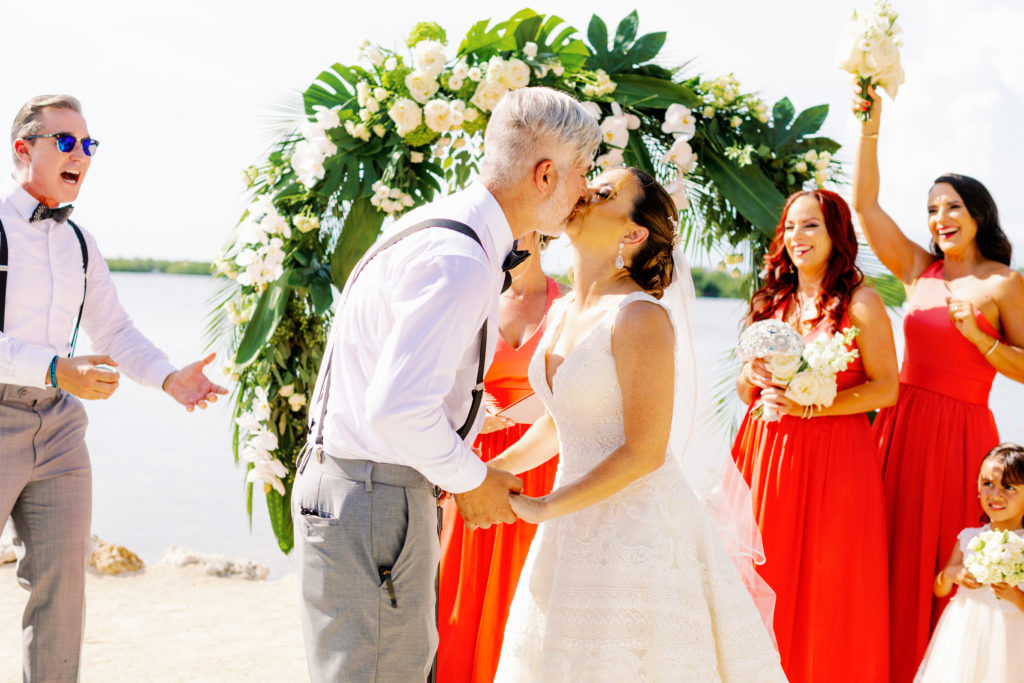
[(269, 472), (260, 404), (612, 159), (247, 422), (592, 108), (614, 131), (679, 121), (328, 118), (681, 155)]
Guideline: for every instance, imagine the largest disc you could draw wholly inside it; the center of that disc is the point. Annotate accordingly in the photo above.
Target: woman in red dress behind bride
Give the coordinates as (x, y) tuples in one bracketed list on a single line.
[(964, 322), (814, 474), (480, 569)]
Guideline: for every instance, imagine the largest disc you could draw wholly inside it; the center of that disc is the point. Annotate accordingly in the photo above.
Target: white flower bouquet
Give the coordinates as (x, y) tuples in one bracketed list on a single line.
[(871, 53), (808, 371), (996, 557)]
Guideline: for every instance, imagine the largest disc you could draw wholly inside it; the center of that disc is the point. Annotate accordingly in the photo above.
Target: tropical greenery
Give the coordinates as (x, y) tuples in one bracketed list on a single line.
[(147, 265), (401, 127)]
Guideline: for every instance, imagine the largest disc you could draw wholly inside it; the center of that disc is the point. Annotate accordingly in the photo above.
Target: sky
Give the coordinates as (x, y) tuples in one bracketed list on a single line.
[(184, 95)]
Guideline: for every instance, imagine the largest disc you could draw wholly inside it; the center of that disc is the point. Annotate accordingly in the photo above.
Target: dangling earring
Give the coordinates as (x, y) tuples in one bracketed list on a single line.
[(619, 263)]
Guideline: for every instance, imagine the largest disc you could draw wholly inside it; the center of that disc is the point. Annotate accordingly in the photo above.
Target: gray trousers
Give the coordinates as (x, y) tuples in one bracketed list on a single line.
[(46, 490), (367, 544)]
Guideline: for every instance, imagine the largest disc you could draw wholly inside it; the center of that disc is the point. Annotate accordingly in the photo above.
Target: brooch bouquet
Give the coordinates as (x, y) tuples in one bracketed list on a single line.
[(872, 53), (808, 371), (996, 557)]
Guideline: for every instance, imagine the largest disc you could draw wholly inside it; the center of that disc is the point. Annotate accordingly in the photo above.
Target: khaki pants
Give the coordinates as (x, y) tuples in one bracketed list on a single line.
[(46, 490)]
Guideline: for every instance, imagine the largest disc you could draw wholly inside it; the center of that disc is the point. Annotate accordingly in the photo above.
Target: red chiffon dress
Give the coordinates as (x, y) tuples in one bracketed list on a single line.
[(932, 443), (480, 569), (817, 495)]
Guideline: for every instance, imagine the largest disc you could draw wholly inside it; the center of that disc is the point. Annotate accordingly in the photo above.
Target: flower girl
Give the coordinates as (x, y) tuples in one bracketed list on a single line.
[(980, 637)]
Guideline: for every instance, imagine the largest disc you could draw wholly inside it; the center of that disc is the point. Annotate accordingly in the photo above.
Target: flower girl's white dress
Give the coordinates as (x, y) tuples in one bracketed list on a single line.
[(638, 587), (979, 638)]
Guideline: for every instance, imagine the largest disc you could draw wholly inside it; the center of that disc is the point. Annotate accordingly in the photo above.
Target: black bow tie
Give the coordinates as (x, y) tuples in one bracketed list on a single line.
[(513, 259), (59, 214)]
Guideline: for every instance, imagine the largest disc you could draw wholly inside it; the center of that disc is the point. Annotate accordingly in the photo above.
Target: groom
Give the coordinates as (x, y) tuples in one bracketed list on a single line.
[(403, 357)]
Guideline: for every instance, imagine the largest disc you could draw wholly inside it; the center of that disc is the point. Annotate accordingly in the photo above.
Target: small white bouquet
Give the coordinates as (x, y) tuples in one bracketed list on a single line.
[(996, 557), (808, 371), (872, 53)]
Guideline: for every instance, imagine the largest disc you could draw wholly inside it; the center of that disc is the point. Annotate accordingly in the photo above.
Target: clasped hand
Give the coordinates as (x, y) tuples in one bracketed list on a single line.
[(488, 503), (773, 395)]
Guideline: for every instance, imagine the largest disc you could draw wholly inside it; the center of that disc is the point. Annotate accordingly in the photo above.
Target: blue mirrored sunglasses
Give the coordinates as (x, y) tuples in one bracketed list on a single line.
[(66, 142)]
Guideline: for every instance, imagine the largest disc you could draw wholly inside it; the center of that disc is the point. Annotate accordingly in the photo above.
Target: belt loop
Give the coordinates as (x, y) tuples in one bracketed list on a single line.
[(368, 476)]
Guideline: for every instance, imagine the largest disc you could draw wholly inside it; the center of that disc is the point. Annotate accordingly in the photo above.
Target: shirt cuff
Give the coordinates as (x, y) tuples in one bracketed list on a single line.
[(156, 373), (470, 474), (31, 369)]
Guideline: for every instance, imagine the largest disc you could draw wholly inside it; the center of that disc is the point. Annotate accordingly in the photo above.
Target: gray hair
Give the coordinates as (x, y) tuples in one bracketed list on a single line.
[(29, 118), (524, 127)]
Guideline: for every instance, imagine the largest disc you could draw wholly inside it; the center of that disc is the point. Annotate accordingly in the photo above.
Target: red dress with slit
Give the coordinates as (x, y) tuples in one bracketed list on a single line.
[(817, 494), (932, 443), (480, 569)]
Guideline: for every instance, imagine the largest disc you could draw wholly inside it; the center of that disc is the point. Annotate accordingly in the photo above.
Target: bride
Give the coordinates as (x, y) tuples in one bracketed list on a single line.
[(628, 578)]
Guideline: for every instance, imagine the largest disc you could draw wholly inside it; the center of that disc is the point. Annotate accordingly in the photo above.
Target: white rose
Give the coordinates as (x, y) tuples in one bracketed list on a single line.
[(390, 64), (416, 157), (800, 167), (428, 56), (286, 391), (471, 113), (372, 105), (530, 50), (812, 388), (783, 366), (460, 70), (380, 94), (362, 92), (296, 401), (487, 95), (406, 114), (475, 74), (455, 84), (421, 85), (883, 55), (516, 74), (891, 79), (379, 130), (496, 69)]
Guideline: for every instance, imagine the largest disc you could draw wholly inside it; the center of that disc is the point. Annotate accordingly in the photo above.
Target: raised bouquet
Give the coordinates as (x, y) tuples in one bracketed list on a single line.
[(808, 371), (996, 557), (872, 53)]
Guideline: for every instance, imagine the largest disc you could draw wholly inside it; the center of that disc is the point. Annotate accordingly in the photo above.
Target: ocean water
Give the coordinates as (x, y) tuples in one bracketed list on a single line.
[(162, 476)]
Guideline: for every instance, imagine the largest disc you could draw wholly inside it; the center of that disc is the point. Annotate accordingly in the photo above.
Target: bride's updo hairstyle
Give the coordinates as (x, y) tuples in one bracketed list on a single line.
[(842, 275), (651, 267)]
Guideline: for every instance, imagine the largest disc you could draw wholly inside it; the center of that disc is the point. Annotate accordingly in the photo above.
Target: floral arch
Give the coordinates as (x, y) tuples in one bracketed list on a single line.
[(395, 131)]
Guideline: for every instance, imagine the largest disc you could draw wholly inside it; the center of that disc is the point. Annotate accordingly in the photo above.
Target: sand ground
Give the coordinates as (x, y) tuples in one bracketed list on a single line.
[(174, 624)]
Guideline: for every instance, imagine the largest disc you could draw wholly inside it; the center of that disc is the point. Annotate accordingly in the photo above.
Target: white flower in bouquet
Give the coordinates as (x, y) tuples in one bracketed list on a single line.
[(829, 353), (428, 56), (471, 113), (765, 339), (516, 74), (269, 472), (276, 224), (263, 440), (390, 64), (406, 114), (416, 157), (439, 116), (251, 232), (681, 155), (811, 387), (603, 84), (286, 391), (784, 366), (679, 121), (871, 52), (247, 422), (260, 404), (996, 557), (304, 223), (460, 70), (421, 85), (308, 163), (592, 108), (677, 190), (328, 118), (296, 402), (613, 159), (614, 131), (475, 74), (488, 94), (261, 206), (530, 50)]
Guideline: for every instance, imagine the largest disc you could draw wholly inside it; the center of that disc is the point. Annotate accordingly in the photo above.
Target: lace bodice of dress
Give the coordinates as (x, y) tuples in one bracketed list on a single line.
[(584, 399)]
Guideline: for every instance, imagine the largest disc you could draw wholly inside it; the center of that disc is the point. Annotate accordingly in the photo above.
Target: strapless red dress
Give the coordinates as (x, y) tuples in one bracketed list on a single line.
[(817, 495), (480, 569), (932, 443)]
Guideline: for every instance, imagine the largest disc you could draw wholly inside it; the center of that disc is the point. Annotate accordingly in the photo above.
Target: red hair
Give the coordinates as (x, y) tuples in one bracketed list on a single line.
[(842, 275)]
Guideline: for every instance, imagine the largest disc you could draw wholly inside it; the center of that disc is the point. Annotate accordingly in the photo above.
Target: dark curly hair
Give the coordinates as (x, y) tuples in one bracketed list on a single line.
[(842, 275), (651, 267), (992, 241)]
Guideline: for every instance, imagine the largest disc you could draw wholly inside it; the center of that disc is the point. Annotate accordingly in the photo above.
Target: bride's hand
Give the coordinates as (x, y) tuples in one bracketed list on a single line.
[(528, 508)]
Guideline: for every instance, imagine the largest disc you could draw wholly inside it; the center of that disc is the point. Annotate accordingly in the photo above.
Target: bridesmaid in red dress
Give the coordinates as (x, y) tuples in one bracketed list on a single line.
[(964, 322), (480, 569), (814, 474)]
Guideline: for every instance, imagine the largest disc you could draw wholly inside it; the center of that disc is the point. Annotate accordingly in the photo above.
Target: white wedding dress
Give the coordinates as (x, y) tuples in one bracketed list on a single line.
[(638, 587)]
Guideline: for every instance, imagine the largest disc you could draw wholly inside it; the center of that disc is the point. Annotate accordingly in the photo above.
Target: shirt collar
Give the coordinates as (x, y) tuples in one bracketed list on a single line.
[(494, 218), (19, 198)]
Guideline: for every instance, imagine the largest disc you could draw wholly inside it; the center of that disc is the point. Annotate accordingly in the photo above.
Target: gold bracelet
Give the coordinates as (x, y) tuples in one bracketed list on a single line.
[(873, 135), (992, 349)]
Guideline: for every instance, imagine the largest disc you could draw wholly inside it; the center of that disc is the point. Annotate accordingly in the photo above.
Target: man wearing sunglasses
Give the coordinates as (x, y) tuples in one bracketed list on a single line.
[(53, 279)]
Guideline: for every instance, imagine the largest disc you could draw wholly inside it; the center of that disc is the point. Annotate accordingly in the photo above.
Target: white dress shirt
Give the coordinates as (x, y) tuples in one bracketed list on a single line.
[(44, 291), (406, 345)]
